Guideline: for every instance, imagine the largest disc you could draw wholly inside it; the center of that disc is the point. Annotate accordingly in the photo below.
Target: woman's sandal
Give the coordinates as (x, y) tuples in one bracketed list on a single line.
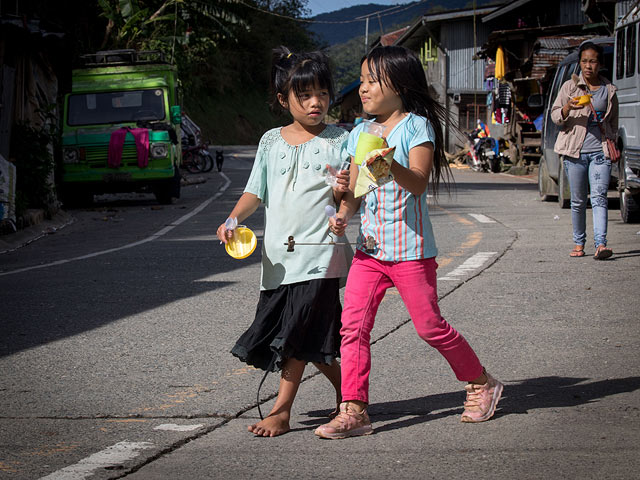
[(602, 252), (577, 251)]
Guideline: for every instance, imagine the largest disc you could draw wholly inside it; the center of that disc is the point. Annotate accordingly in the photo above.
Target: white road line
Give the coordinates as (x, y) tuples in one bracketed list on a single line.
[(109, 457), (481, 218), (172, 427), (155, 236), (468, 266)]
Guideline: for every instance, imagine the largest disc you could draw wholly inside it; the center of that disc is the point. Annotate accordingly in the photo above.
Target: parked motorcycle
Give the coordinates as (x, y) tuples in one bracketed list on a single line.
[(483, 153), (197, 158)]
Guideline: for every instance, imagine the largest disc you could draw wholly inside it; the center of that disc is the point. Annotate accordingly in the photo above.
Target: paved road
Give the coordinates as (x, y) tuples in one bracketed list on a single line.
[(115, 335)]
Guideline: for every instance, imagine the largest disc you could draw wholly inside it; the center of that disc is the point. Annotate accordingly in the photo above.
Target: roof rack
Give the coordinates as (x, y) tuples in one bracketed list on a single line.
[(108, 58)]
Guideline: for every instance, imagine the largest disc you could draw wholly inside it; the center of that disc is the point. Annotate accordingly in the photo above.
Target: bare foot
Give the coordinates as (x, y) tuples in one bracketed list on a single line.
[(272, 426)]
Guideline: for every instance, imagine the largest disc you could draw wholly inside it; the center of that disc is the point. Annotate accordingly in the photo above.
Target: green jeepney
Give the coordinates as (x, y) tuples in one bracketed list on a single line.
[(115, 95)]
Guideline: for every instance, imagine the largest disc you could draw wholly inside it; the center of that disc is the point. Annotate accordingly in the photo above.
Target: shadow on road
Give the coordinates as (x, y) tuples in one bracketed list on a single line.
[(519, 397)]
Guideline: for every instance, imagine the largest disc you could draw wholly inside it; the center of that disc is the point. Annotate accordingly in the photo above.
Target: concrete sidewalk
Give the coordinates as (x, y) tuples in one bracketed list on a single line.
[(39, 228)]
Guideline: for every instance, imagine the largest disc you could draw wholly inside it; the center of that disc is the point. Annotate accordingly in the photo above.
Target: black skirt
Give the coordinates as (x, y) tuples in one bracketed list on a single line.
[(300, 320)]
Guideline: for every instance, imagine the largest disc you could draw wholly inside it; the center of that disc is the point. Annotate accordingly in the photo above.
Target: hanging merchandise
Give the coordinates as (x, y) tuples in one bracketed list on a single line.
[(504, 95), (500, 64), (503, 103), (489, 83)]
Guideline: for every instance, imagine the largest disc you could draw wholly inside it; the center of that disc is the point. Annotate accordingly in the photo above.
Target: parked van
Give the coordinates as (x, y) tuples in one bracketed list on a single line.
[(121, 127), (552, 180), (627, 79)]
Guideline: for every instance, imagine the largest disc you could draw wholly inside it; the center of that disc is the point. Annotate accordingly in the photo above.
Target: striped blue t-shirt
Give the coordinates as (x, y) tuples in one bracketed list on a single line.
[(397, 219)]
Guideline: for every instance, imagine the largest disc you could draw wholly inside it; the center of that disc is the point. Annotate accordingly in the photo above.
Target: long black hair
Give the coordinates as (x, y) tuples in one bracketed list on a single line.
[(297, 72), (400, 70)]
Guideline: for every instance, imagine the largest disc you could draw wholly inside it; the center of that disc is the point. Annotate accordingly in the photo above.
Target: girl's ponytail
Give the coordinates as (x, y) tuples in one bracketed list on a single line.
[(281, 62)]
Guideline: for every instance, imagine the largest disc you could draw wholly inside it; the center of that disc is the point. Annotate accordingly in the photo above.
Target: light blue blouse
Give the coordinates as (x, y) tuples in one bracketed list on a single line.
[(290, 182)]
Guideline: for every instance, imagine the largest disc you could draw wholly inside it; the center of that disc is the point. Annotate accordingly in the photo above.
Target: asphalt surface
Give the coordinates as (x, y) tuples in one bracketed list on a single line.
[(90, 374)]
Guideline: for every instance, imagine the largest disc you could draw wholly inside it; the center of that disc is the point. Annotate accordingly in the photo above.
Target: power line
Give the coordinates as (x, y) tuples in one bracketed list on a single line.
[(358, 19)]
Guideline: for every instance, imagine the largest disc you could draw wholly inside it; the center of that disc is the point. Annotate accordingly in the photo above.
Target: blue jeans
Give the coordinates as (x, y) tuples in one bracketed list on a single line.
[(589, 174)]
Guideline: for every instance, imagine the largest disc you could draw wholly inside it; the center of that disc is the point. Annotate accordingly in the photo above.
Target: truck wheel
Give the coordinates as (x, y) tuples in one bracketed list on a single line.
[(564, 194), (629, 207), (544, 181), (166, 190), (629, 204)]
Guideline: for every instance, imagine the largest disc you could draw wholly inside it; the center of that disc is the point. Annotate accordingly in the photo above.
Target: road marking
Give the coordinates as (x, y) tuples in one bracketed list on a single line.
[(482, 218), (469, 265), (109, 457), (172, 427), (155, 236)]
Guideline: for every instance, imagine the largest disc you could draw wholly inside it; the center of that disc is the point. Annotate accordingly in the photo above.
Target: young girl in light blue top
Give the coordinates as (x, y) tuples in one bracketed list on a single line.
[(298, 314)]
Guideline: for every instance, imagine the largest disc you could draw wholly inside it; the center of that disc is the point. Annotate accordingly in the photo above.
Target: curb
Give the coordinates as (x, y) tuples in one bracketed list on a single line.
[(38, 227)]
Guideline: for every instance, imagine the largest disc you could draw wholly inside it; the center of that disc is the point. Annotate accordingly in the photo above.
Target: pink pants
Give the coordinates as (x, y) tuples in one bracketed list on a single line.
[(416, 282), (116, 142)]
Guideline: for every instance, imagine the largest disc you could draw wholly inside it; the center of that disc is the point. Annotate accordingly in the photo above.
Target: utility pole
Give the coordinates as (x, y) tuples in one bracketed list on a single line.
[(366, 36), (366, 24)]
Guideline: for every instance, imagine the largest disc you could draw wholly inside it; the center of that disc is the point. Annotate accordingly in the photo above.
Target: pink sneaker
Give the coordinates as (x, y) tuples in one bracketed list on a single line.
[(348, 423), (481, 400)]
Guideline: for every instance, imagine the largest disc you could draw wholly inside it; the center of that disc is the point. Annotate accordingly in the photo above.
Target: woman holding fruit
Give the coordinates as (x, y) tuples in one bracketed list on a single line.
[(586, 109)]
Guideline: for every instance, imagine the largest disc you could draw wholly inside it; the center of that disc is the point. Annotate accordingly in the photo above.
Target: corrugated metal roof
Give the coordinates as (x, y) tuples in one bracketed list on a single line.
[(558, 43), (550, 51), (391, 37)]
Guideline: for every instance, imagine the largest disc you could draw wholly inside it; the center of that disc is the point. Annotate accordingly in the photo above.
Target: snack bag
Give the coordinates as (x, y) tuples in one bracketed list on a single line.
[(375, 171)]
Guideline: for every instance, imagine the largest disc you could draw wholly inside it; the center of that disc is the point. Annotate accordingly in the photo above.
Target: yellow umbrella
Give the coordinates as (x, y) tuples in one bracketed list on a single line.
[(500, 64)]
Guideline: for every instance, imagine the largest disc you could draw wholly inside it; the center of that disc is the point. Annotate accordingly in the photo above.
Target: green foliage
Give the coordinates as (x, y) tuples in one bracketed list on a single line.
[(31, 151), (222, 48), (345, 59)]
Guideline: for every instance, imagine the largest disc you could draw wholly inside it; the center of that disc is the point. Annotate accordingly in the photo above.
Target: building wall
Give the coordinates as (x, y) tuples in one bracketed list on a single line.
[(623, 7), (570, 13), (464, 73)]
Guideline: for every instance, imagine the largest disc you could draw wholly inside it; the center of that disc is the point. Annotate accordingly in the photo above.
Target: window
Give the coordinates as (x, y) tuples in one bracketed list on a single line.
[(469, 112), (116, 107), (620, 54), (630, 51)]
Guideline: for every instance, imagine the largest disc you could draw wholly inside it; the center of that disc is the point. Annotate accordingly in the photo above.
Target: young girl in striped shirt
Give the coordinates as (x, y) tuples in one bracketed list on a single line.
[(394, 92)]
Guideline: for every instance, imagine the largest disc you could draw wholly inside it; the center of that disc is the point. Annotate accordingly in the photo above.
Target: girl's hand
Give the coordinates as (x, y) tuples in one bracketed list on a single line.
[(342, 178), (223, 234), (337, 225)]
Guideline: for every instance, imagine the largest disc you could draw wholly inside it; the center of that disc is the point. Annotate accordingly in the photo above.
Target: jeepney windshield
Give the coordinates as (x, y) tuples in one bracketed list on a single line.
[(116, 107)]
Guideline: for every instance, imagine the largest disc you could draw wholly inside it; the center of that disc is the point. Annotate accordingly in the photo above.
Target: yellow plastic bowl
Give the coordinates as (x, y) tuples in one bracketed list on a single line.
[(583, 99), (242, 244)]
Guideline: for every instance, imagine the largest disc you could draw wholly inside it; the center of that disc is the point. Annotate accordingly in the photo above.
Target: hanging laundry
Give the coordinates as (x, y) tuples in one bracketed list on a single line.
[(116, 143), (504, 95), (501, 68)]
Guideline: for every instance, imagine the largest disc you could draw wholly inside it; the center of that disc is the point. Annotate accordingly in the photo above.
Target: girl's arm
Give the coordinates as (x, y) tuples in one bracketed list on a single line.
[(416, 177), (247, 204), (349, 205)]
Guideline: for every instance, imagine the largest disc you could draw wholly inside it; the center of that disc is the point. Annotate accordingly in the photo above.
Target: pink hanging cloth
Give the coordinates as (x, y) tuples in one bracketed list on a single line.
[(116, 142)]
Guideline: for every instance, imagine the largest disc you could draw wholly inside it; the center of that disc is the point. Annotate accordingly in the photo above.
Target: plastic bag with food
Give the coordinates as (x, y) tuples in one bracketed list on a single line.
[(375, 171)]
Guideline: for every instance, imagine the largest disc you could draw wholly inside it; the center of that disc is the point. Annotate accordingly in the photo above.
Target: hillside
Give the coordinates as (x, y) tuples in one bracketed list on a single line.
[(333, 32)]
